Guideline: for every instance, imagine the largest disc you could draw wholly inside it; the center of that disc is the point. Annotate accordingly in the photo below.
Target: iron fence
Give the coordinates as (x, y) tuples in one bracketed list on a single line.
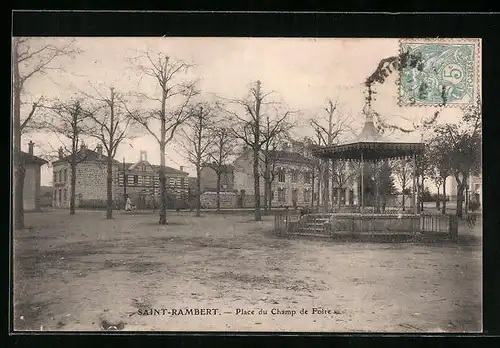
[(333, 224)]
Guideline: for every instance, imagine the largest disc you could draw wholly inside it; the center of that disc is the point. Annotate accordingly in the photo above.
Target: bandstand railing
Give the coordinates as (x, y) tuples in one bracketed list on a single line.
[(293, 222)]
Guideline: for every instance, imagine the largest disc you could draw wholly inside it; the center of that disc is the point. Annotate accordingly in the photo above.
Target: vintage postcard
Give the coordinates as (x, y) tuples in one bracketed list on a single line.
[(246, 184)]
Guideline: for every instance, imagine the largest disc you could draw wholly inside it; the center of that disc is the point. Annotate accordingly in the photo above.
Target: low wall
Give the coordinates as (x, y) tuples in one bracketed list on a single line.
[(227, 200), (291, 222), (369, 223)]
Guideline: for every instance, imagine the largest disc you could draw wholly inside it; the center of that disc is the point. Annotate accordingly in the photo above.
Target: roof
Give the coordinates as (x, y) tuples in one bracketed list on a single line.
[(369, 145), (156, 168), (32, 159), (85, 155), (289, 156)]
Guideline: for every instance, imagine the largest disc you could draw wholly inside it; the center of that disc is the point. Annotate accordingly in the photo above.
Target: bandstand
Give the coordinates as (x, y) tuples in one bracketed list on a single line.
[(370, 146)]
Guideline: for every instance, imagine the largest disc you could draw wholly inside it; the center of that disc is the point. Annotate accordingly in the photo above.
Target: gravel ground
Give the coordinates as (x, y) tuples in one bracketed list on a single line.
[(85, 273)]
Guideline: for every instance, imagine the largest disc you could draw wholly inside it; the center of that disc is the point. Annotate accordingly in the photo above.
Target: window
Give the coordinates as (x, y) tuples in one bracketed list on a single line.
[(65, 196), (307, 196), (54, 180), (307, 177), (60, 195), (281, 195), (65, 175), (136, 179), (281, 175), (295, 175), (54, 197), (182, 182), (60, 176), (143, 167)]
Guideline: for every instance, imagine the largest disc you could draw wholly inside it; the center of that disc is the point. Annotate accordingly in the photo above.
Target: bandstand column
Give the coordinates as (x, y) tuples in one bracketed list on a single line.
[(415, 208), (362, 205)]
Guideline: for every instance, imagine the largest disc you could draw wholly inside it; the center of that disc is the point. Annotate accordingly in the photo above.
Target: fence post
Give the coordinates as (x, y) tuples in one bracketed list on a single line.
[(453, 226)]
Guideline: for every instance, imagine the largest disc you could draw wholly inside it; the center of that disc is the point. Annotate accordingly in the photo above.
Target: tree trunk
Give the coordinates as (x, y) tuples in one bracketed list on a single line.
[(266, 194), (109, 188), (443, 208), (163, 187), (218, 190), (256, 179), (198, 191), (438, 198), (460, 198), (326, 188), (19, 169), (72, 197), (422, 194), (270, 199), (403, 198), (338, 197)]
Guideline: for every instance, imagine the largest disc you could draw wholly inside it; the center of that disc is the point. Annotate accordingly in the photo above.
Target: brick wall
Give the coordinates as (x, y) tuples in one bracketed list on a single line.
[(227, 200), (91, 179)]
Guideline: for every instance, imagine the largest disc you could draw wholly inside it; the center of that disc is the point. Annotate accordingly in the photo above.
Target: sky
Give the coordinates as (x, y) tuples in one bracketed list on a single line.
[(303, 74)]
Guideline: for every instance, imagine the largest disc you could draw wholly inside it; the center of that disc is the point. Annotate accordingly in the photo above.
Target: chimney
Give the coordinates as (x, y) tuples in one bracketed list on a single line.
[(99, 149), (31, 144), (61, 154), (144, 156), (182, 168)]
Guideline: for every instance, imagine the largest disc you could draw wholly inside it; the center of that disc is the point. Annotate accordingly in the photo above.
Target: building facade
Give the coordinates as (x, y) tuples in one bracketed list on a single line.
[(208, 179), (32, 179), (293, 180), (474, 187), (91, 176), (139, 181)]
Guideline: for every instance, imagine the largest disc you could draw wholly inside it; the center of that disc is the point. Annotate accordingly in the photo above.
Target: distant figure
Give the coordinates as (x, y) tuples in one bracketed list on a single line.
[(128, 204)]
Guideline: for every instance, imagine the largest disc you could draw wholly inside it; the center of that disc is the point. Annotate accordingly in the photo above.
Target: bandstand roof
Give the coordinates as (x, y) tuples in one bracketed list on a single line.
[(369, 145)]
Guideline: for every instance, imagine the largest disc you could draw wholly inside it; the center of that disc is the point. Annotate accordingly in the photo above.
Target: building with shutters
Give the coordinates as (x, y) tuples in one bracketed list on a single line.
[(139, 181)]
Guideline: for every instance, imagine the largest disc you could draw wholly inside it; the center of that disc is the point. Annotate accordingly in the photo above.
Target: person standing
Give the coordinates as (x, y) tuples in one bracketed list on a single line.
[(128, 204)]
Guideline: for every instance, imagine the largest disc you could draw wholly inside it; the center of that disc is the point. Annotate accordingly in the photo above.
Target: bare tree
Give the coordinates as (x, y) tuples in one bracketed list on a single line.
[(111, 123), (222, 150), (30, 57), (197, 139), (172, 101), (70, 123), (403, 172), (249, 131), (274, 131), (335, 126), (342, 173)]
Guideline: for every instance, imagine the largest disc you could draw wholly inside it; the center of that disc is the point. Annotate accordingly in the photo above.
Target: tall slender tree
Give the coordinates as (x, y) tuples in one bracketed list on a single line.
[(110, 126), (30, 57), (328, 129), (403, 172), (173, 96), (70, 123), (197, 140), (274, 130), (222, 150), (249, 130)]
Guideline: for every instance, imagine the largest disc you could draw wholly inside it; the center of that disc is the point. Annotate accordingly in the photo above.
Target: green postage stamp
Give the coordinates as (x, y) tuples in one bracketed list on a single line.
[(445, 72)]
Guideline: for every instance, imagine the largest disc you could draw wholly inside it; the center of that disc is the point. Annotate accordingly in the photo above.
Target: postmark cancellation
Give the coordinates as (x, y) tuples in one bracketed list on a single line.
[(439, 72)]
